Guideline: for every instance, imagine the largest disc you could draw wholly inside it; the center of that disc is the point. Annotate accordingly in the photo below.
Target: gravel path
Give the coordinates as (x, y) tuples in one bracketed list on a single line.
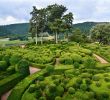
[(32, 71), (103, 61)]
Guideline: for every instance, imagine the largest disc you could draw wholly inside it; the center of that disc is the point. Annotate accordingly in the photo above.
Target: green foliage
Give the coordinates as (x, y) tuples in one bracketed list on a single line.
[(71, 90), (3, 65), (76, 65), (9, 82), (14, 59), (23, 67), (50, 68), (23, 85), (101, 33), (83, 87), (90, 63)]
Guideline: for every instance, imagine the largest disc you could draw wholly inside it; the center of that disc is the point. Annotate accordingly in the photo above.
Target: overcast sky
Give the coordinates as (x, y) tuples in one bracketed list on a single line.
[(18, 11)]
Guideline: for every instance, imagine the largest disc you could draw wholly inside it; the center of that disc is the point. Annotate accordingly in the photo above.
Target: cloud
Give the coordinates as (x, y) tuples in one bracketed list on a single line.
[(83, 10), (10, 19)]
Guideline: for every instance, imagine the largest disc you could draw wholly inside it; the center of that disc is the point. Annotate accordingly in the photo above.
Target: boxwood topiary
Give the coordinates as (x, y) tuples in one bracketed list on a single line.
[(3, 65), (23, 67)]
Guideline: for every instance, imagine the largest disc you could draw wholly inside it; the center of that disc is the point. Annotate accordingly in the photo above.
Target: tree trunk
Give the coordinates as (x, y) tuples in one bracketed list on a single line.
[(36, 39), (41, 39), (67, 38), (56, 37)]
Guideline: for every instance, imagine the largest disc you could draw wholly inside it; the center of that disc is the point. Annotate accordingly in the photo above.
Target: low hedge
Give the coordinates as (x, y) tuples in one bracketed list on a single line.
[(9, 82), (20, 88), (7, 73), (3, 65)]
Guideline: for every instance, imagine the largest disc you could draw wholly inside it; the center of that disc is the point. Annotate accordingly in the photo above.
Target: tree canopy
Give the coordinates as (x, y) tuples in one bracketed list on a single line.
[(101, 33)]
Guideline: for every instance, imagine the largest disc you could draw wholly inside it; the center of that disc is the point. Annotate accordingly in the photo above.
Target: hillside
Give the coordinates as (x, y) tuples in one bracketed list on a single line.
[(21, 29)]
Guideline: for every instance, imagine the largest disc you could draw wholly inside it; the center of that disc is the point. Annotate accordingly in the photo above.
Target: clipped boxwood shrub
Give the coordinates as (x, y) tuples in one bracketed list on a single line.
[(76, 65), (23, 67), (7, 59), (3, 65), (90, 63), (9, 82), (76, 58), (71, 90), (20, 88), (14, 59)]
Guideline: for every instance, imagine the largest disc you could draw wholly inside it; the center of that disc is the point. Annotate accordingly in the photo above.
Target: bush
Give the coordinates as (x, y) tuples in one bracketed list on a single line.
[(66, 60), (83, 87), (32, 88), (90, 63), (76, 65), (107, 79), (108, 86), (60, 90), (49, 68), (76, 58), (71, 90), (23, 67), (42, 98), (7, 59), (14, 59), (1, 56), (95, 78), (98, 84), (52, 88), (58, 98), (40, 78), (19, 89), (9, 82), (3, 65)]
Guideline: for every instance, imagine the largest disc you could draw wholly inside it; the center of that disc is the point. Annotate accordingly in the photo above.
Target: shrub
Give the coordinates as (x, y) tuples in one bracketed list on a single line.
[(98, 84), (40, 78), (3, 65), (71, 90), (58, 98), (14, 59), (90, 63), (107, 79), (83, 87), (1, 56), (52, 88), (49, 68), (7, 59), (76, 58), (95, 78), (9, 82), (60, 90), (23, 67), (108, 86), (31, 88), (76, 65), (42, 98)]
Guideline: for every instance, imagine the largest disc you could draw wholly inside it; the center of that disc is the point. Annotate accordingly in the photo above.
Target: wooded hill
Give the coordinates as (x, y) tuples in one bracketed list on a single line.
[(22, 28)]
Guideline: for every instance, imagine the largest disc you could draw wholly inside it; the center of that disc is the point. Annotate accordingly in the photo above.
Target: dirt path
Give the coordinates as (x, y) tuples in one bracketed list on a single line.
[(57, 61), (32, 71), (103, 61)]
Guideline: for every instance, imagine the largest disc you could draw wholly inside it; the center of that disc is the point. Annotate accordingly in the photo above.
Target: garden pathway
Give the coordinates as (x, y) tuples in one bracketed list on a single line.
[(32, 71), (103, 61)]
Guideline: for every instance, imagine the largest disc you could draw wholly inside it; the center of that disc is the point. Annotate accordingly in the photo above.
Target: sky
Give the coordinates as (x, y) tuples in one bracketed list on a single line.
[(18, 11)]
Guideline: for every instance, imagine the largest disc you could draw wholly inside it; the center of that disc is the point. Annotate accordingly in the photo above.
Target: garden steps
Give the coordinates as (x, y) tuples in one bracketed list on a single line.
[(103, 61)]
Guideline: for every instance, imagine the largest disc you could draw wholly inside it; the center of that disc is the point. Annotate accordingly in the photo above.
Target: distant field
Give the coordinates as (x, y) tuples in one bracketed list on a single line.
[(14, 42)]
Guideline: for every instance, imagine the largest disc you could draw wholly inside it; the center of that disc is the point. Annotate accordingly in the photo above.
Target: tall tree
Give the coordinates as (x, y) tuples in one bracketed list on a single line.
[(68, 20), (55, 27), (101, 33)]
